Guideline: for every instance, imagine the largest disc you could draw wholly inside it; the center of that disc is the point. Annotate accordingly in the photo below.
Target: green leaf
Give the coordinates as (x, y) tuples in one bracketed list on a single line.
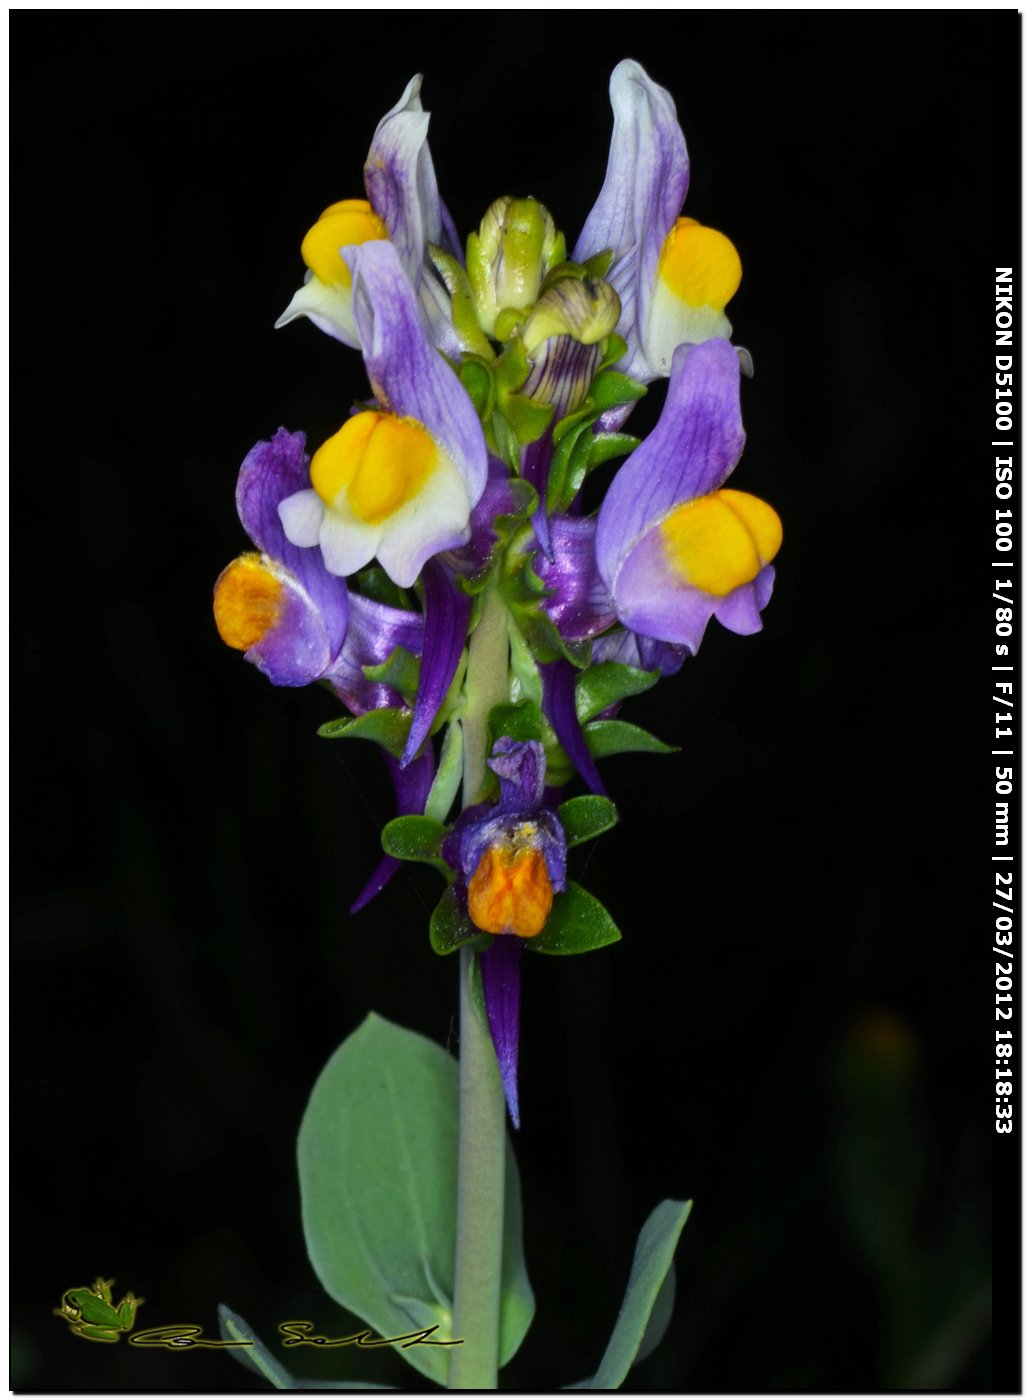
[(514, 720), (609, 736), (450, 928), (511, 369), (598, 265), (416, 838), (587, 414), (615, 349), (651, 1266), (568, 468), (401, 670), (448, 775), (375, 583), (504, 441), (577, 923), (605, 446), (387, 727), (583, 818), (528, 419), (476, 378), (606, 684), (257, 1357), (522, 664), (659, 1318), (377, 1159), (611, 388), (465, 317)]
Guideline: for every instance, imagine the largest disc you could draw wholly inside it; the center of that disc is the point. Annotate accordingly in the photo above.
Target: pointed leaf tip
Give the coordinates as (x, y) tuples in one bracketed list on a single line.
[(633, 1337)]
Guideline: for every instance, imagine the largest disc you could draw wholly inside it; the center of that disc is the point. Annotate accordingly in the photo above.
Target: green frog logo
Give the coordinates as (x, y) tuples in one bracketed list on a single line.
[(91, 1313)]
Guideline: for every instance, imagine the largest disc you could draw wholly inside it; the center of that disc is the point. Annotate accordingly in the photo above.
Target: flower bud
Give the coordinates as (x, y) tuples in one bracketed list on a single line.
[(574, 306), (508, 258)]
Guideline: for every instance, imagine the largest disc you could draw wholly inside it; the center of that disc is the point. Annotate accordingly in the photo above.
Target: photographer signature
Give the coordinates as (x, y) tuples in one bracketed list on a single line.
[(180, 1337)]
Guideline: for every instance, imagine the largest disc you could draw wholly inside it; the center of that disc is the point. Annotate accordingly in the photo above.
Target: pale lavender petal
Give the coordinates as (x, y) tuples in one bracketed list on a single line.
[(400, 180), (501, 984), (558, 685), (271, 472), (520, 767), (691, 451), (614, 418), (438, 315), (738, 611), (653, 601), (447, 612), (645, 187), (450, 234), (375, 630), (408, 374), (630, 649), (581, 606), (412, 785), (763, 586)]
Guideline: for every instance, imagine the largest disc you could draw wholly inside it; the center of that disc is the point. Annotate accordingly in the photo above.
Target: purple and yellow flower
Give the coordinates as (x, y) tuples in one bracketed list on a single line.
[(402, 205), (398, 481), (674, 547), (674, 276), (280, 606), (510, 858), (298, 623)]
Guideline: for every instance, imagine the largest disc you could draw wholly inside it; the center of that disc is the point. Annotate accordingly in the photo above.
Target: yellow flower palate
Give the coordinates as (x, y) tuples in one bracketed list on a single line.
[(379, 460), (247, 602), (348, 221), (510, 892), (721, 541), (700, 265)]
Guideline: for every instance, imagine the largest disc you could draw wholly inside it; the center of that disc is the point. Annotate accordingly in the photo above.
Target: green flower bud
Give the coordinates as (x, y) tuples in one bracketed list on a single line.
[(588, 311), (509, 256)]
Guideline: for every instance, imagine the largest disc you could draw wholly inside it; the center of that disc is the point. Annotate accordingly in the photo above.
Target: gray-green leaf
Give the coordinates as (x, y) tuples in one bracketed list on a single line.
[(646, 1296), (388, 727), (257, 1357), (606, 737), (586, 817), (608, 683), (415, 838), (377, 1158), (577, 923)]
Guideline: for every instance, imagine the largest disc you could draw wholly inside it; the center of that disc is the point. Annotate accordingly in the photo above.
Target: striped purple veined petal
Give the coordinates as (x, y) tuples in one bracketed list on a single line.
[(447, 612), (645, 187), (412, 785), (501, 984), (558, 685)]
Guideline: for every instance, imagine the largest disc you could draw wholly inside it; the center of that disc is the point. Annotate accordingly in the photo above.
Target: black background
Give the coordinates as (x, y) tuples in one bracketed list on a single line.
[(796, 1029)]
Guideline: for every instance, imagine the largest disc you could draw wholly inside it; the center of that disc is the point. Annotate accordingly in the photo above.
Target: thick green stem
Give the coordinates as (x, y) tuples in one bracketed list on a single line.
[(487, 684), (482, 1148)]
